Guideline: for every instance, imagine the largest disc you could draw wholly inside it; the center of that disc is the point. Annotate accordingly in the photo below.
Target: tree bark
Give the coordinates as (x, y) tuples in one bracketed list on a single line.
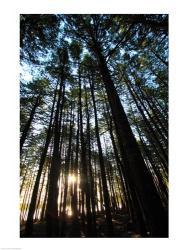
[(52, 223), (148, 199), (29, 224), (110, 231), (28, 124)]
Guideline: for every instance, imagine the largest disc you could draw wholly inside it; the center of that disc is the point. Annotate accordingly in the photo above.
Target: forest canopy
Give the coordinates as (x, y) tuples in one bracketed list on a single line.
[(94, 125)]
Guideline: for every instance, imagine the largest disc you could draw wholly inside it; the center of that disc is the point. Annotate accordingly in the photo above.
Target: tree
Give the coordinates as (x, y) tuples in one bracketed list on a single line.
[(94, 125), (148, 201)]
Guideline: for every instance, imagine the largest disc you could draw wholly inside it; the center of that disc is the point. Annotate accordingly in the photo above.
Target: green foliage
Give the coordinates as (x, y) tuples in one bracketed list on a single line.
[(39, 87), (75, 50), (64, 53)]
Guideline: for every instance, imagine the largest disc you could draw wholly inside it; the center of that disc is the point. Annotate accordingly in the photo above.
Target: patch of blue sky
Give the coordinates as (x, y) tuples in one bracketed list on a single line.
[(30, 72), (25, 73)]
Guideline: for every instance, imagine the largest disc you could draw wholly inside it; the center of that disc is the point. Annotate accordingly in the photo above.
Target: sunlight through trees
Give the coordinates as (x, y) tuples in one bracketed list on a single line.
[(94, 125)]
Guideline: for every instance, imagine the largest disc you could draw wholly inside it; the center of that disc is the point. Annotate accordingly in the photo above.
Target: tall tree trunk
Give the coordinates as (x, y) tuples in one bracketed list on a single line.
[(52, 223), (153, 108), (29, 224), (149, 127), (38, 203), (110, 231), (83, 155), (90, 182), (84, 179), (45, 201), (155, 124), (123, 179), (67, 167), (75, 196), (148, 199), (28, 124)]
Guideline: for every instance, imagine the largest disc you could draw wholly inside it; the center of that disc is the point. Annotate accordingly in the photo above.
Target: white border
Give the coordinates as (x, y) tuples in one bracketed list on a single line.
[(9, 125)]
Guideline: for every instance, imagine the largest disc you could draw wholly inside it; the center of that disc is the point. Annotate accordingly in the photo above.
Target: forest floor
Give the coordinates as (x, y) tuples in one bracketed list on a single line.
[(122, 228)]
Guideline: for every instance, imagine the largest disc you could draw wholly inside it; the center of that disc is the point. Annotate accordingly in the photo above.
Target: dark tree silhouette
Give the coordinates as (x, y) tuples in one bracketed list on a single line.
[(94, 126)]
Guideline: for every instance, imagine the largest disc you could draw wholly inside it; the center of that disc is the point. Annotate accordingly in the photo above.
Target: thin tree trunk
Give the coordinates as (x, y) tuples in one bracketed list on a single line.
[(52, 225), (90, 185), (83, 155), (159, 131), (29, 224), (110, 231), (151, 130), (28, 124), (67, 167)]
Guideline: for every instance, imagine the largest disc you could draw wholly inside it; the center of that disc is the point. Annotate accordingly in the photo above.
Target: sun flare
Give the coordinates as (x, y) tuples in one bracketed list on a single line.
[(71, 179)]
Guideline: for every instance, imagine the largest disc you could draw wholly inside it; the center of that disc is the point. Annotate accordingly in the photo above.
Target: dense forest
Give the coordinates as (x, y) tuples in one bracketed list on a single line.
[(94, 125)]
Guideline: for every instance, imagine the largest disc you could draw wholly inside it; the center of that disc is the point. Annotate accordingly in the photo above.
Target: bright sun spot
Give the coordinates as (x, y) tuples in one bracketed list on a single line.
[(71, 178), (70, 213)]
